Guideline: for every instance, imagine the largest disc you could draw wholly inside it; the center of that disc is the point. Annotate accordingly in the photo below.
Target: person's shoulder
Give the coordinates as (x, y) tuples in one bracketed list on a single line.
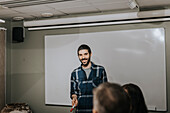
[(100, 67), (97, 66), (76, 69)]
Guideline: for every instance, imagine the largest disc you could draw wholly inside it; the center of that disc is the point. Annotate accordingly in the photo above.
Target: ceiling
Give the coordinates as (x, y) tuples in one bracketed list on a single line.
[(33, 9)]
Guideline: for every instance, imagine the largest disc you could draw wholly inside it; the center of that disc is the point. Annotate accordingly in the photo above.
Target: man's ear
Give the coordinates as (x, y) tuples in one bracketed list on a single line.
[(94, 111), (90, 54)]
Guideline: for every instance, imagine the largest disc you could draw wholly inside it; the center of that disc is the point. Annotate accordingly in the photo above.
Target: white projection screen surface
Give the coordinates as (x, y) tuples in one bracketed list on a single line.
[(129, 56)]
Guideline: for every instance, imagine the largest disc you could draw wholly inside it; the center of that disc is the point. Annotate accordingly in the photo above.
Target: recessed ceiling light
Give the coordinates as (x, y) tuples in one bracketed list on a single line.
[(47, 14), (18, 18)]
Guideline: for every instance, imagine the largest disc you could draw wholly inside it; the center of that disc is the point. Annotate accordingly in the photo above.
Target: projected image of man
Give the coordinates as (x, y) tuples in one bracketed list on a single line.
[(84, 79)]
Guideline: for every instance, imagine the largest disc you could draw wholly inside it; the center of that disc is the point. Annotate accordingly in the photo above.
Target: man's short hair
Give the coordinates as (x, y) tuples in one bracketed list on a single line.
[(110, 98), (84, 46)]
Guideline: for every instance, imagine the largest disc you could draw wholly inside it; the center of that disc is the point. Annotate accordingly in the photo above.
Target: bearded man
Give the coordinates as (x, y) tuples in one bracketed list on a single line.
[(84, 79)]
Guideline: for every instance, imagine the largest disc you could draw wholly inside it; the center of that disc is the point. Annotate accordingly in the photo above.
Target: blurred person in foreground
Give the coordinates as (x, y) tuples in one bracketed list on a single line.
[(137, 99), (110, 98)]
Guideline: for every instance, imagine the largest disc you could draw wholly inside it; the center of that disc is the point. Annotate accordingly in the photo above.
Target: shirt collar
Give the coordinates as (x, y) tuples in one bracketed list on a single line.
[(92, 65)]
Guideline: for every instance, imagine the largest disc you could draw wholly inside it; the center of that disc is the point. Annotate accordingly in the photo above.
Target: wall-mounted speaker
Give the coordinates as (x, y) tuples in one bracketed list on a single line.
[(17, 34)]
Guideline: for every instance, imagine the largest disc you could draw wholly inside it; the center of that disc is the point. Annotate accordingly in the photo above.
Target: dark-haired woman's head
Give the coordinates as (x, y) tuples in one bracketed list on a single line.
[(137, 99)]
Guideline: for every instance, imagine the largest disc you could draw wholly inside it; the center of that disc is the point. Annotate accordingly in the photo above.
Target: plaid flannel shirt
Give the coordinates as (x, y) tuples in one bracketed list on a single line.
[(83, 86)]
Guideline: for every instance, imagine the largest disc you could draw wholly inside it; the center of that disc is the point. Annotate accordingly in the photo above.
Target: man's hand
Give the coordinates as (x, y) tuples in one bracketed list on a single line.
[(74, 100)]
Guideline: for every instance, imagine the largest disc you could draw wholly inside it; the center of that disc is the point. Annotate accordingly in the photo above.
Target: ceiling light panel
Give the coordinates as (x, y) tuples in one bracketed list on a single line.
[(109, 6), (22, 3), (75, 10), (100, 2), (33, 9), (7, 16), (7, 11), (69, 4), (72, 7)]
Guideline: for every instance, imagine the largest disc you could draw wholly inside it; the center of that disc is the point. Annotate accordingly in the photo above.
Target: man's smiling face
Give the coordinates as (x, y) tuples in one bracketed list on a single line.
[(84, 57)]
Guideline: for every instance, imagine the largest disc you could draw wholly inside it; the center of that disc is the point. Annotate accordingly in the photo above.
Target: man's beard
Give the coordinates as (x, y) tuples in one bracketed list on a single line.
[(85, 65)]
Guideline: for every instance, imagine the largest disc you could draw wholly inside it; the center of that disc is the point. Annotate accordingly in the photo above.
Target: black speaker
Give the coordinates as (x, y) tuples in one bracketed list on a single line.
[(17, 34)]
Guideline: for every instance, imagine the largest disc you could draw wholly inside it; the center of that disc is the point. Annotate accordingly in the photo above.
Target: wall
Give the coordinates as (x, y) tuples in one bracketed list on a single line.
[(2, 68), (7, 25), (8, 61), (27, 74)]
